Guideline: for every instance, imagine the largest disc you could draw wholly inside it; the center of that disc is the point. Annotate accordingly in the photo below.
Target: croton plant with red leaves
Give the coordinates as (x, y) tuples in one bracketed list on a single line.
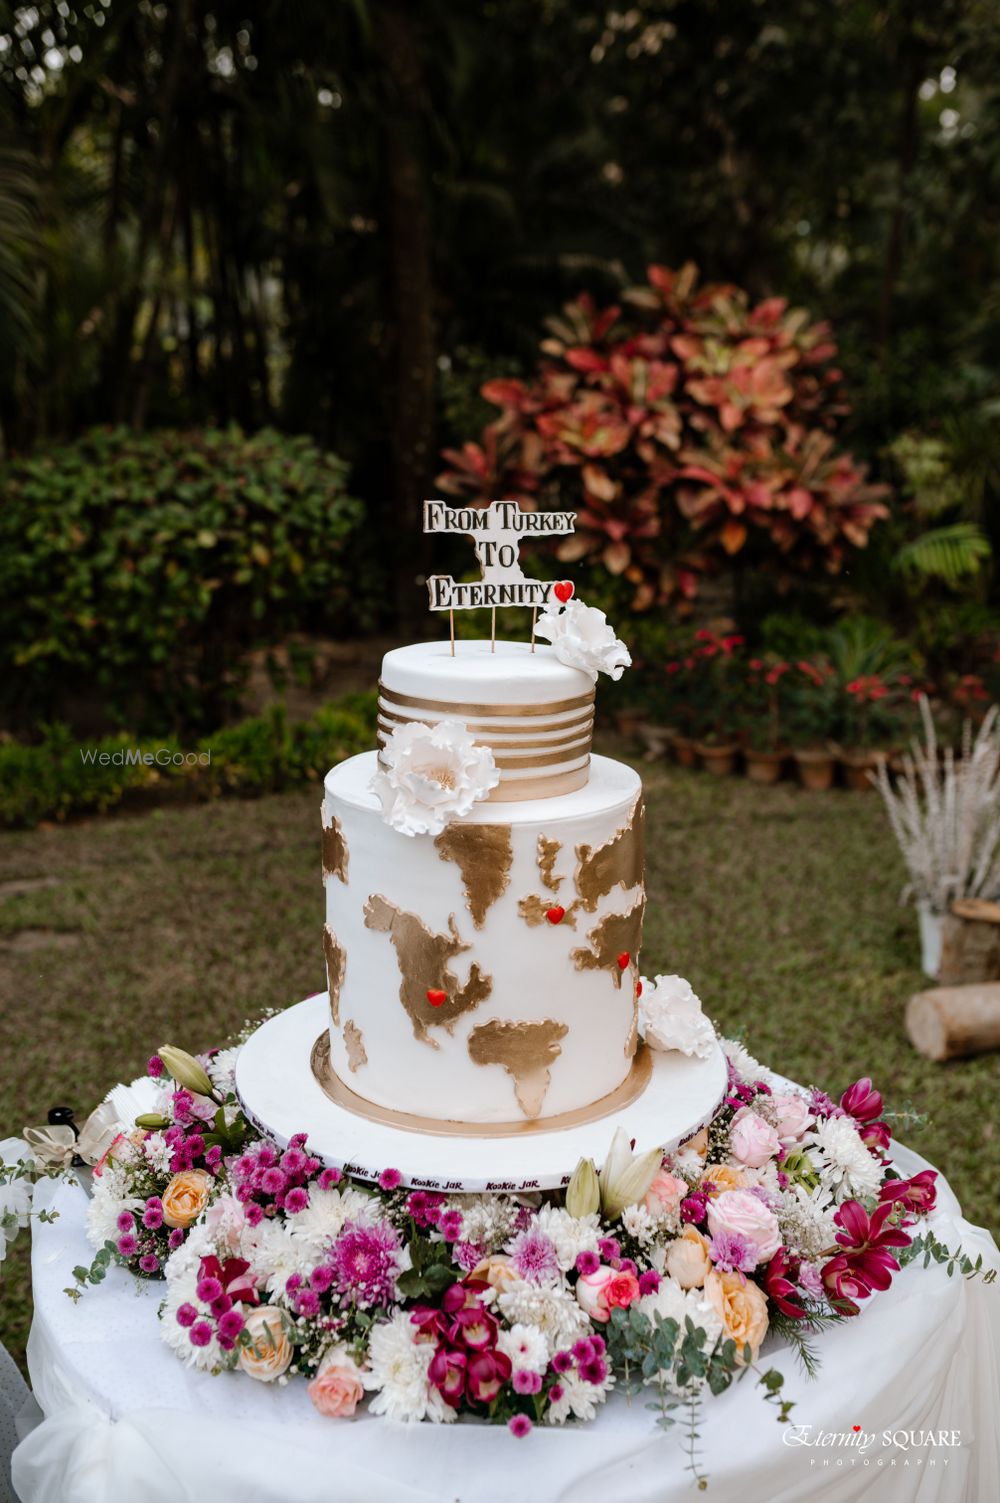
[(687, 425)]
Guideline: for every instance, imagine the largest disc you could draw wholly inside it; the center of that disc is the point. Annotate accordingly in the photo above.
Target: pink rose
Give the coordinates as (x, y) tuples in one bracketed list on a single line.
[(743, 1214), (338, 1386), (752, 1140), (665, 1193), (605, 1289), (793, 1118)]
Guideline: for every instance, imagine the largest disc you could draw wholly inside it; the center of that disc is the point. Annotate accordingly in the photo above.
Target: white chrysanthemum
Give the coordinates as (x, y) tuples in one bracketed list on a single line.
[(487, 1220), (431, 774), (314, 1228), (551, 1308), (157, 1153), (672, 1018), (274, 1254), (143, 1097), (640, 1224), (581, 638), (570, 1235), (109, 1198), (674, 1303), (806, 1221), (845, 1166), (579, 1399), (398, 1371), (182, 1290), (749, 1068), (526, 1347), (221, 1069)]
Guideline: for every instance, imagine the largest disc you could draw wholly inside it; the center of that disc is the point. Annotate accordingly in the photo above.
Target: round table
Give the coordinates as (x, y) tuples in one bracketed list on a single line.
[(123, 1419)]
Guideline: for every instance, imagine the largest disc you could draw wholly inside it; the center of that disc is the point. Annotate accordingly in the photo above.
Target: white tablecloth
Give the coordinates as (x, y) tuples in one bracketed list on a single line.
[(124, 1420)]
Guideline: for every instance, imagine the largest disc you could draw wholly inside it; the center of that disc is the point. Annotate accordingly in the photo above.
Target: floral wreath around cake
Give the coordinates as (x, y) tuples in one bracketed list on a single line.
[(659, 1275)]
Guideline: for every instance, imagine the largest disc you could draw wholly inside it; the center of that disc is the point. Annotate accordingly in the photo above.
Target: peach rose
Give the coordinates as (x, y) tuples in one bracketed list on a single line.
[(495, 1271), (724, 1177), (687, 1259), (698, 1144), (606, 1289), (665, 1193), (338, 1387), (742, 1307), (270, 1352), (185, 1197)]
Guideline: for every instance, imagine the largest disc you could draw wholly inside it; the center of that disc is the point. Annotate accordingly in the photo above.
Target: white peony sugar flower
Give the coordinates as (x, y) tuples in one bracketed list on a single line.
[(672, 1018), (431, 774), (581, 638)]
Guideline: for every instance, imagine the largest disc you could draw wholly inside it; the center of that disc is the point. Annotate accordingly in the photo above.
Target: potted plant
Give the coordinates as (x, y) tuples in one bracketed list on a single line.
[(945, 815), (809, 695), (761, 731), (866, 721), (716, 701)]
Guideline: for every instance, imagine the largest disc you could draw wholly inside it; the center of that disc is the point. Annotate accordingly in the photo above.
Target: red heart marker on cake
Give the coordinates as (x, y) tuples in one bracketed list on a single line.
[(638, 988), (436, 998), (623, 960), (855, 1428), (563, 590), (555, 915)]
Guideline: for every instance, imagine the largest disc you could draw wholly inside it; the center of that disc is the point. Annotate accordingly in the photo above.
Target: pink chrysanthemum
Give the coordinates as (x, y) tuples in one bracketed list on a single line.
[(365, 1262), (534, 1256)]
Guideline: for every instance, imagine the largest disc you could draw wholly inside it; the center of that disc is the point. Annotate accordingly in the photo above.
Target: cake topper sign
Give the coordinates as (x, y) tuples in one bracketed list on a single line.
[(497, 531)]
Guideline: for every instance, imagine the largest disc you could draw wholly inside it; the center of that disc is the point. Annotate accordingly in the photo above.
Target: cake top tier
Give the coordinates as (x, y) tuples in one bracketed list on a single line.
[(535, 713)]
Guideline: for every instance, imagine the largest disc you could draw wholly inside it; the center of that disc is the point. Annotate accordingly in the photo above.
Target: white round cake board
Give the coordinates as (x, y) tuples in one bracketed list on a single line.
[(281, 1096)]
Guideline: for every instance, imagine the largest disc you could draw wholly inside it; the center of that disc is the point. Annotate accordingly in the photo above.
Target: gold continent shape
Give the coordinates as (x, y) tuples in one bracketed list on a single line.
[(616, 934), (335, 852), (423, 958), (483, 854), (354, 1043), (548, 854), (525, 1050), (336, 965), (617, 863)]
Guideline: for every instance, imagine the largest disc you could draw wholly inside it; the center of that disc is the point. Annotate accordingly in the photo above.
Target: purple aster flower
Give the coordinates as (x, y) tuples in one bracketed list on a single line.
[(609, 1248), (365, 1263), (149, 1263), (186, 1315), (128, 1246), (298, 1140), (524, 1381), (201, 1333), (126, 1222), (534, 1256), (649, 1281), (598, 1343), (307, 1303), (152, 1216), (272, 1181), (328, 1178), (520, 1426), (732, 1253), (154, 1066), (230, 1325), (584, 1350), (254, 1214), (321, 1278), (425, 1207), (821, 1105), (175, 1239), (626, 1265), (450, 1226), (213, 1156), (296, 1200), (389, 1179), (221, 1306), (208, 1289), (595, 1371), (562, 1362), (468, 1254), (293, 1161), (587, 1262), (266, 1155)]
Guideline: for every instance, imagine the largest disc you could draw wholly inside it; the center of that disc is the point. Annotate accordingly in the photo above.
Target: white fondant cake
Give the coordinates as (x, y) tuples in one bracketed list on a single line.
[(488, 974), (535, 713)]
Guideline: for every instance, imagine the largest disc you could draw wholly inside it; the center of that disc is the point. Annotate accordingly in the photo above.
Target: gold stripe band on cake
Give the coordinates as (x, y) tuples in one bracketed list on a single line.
[(455, 707), (542, 735)]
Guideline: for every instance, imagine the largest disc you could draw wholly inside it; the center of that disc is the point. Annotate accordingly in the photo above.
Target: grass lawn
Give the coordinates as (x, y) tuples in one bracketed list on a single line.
[(781, 907)]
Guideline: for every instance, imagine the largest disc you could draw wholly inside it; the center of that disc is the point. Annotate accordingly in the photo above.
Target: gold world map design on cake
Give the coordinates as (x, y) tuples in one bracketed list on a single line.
[(336, 965), (483, 854), (548, 854), (423, 958), (535, 910), (354, 1043), (617, 935), (618, 863), (525, 1050), (335, 851)]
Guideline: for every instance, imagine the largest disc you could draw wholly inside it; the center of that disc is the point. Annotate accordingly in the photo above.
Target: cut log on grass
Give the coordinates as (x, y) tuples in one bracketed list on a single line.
[(947, 1022), (970, 943)]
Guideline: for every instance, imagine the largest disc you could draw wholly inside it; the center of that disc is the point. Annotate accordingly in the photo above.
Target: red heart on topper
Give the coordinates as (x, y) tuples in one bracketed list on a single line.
[(855, 1428), (555, 915), (623, 960), (436, 998), (563, 590)]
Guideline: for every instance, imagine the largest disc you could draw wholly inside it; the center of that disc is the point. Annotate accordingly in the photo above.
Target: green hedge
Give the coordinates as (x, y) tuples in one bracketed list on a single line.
[(62, 776), (137, 569)]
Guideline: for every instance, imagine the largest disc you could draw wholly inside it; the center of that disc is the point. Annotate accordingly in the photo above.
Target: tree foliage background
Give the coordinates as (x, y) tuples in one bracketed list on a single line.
[(341, 216)]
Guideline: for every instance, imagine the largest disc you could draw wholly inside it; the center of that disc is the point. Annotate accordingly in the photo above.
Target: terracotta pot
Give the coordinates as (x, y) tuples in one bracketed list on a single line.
[(857, 764), (815, 768), (684, 751), (718, 760), (628, 721), (763, 766), (656, 739)]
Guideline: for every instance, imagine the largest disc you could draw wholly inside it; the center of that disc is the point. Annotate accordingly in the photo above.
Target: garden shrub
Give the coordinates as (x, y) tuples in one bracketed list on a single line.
[(140, 568), (688, 428)]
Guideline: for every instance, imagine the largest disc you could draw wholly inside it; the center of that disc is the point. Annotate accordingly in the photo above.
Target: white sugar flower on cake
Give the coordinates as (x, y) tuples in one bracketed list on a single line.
[(672, 1018), (581, 638), (431, 774)]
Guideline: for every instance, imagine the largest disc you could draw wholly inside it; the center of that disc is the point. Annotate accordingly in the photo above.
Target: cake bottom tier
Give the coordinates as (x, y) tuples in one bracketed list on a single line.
[(490, 974)]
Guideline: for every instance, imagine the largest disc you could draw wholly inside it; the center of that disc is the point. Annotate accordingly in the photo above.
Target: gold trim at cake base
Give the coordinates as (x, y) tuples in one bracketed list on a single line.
[(341, 1095)]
